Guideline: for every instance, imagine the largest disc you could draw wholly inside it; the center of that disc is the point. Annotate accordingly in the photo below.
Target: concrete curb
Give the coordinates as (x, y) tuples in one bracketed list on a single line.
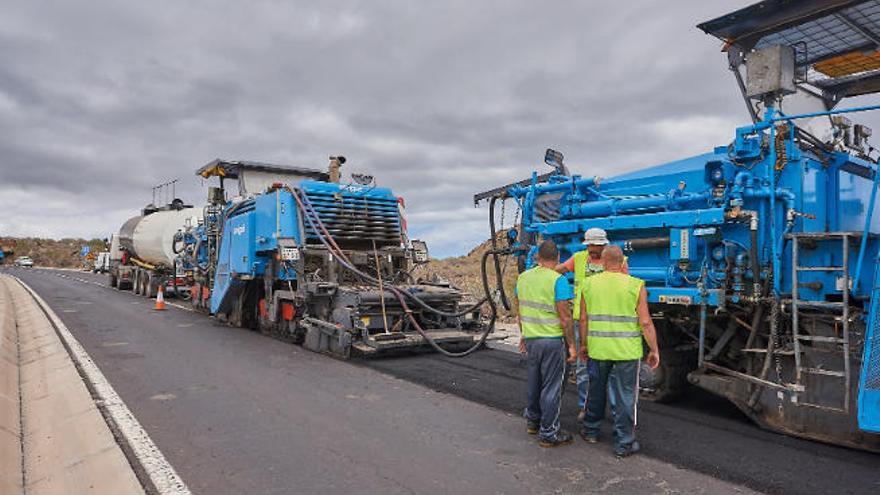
[(11, 472), (150, 464)]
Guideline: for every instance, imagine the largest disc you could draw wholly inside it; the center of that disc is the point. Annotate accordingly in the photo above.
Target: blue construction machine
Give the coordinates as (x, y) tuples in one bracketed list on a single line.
[(295, 253), (760, 256)]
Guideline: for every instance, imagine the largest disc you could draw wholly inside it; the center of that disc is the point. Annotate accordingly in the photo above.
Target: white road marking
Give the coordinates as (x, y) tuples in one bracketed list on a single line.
[(104, 286), (178, 306), (162, 475)]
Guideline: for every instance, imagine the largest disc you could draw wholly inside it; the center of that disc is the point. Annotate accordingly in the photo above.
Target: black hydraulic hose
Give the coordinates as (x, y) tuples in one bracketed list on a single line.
[(313, 218), (499, 281), (400, 294), (753, 257)]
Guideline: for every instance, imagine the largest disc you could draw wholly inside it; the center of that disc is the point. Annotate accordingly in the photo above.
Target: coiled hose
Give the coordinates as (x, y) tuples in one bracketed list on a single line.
[(401, 295), (309, 209), (495, 260)]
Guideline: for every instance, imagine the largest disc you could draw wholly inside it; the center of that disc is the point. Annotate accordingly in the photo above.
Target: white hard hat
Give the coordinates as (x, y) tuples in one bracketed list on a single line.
[(595, 237)]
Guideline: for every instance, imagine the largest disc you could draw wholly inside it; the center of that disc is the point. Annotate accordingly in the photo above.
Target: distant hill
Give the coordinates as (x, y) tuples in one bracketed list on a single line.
[(62, 253), (461, 271)]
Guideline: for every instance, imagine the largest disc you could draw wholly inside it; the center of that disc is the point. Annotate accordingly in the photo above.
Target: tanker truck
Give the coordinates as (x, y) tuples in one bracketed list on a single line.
[(760, 256), (142, 253)]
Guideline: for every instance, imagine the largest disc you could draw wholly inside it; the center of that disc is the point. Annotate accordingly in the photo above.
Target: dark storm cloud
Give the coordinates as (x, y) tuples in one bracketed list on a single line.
[(101, 100)]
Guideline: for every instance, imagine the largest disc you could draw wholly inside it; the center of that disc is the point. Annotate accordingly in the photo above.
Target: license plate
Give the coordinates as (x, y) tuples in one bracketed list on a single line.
[(675, 299)]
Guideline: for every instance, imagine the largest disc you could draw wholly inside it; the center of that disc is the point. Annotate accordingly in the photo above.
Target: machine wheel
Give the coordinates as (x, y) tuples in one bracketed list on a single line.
[(151, 287), (114, 282), (669, 381), (665, 384), (136, 282)]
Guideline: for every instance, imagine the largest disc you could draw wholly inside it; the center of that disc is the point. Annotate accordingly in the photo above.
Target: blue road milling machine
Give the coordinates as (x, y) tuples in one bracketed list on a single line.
[(293, 252), (761, 255)]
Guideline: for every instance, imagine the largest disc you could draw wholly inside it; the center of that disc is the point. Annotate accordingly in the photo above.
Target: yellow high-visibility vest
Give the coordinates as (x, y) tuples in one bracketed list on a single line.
[(536, 291), (614, 330)]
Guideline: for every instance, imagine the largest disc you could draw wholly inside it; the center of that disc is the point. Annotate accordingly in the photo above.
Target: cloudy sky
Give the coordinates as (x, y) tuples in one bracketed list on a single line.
[(100, 100)]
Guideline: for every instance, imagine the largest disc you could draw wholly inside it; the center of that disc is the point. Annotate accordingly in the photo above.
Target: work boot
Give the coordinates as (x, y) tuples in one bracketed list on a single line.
[(562, 438), (532, 427), (587, 436), (626, 452)]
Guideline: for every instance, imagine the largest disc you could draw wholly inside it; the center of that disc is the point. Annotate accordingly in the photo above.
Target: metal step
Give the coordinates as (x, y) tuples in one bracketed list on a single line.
[(785, 352), (815, 304), (817, 338), (824, 408), (817, 371)]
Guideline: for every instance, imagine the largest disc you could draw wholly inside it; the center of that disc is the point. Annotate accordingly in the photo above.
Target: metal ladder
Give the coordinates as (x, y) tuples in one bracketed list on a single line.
[(843, 306)]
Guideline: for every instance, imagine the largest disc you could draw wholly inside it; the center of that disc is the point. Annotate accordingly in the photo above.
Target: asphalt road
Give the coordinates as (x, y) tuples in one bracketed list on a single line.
[(242, 396)]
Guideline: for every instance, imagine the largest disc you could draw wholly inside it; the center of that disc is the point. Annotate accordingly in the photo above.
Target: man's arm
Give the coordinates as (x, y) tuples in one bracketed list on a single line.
[(648, 330), (566, 267), (563, 309)]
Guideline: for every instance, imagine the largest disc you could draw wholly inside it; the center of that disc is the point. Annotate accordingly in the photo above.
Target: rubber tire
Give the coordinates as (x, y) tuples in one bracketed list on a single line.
[(670, 378), (670, 383), (114, 282), (149, 287)]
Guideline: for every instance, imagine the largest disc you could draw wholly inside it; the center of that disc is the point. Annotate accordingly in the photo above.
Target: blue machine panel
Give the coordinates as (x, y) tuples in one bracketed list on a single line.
[(869, 385), (275, 217), (242, 252)]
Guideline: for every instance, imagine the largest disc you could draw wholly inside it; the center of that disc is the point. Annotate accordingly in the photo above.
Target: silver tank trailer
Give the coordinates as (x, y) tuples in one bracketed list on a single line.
[(150, 237)]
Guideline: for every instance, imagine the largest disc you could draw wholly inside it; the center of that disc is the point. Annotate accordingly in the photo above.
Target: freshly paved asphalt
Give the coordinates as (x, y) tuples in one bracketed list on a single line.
[(237, 412)]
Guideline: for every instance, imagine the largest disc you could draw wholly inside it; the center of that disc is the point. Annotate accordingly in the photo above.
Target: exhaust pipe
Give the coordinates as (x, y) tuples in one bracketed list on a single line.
[(335, 165)]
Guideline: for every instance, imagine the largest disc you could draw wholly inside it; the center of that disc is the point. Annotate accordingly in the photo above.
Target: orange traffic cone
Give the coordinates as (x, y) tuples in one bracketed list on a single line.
[(160, 299)]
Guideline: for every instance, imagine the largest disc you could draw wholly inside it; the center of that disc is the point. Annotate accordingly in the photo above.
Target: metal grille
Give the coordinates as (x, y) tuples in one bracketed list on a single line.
[(827, 35), (356, 220), (872, 376), (835, 41)]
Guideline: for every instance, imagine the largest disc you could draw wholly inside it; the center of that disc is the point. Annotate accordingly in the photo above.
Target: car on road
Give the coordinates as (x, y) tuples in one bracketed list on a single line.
[(102, 262), (24, 261)]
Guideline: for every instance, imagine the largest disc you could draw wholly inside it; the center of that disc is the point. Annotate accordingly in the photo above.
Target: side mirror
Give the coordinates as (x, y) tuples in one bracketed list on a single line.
[(555, 160), (420, 252)]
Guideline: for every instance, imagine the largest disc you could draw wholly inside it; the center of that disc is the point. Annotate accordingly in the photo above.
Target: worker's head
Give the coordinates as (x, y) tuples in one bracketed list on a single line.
[(548, 254), (612, 258), (595, 239)]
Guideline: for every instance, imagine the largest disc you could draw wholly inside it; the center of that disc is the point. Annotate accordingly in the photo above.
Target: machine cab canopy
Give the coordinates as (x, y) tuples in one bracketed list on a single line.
[(835, 42), (255, 177)]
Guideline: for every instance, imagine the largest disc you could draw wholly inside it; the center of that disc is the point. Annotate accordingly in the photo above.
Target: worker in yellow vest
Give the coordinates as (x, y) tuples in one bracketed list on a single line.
[(546, 325), (585, 264), (614, 318)]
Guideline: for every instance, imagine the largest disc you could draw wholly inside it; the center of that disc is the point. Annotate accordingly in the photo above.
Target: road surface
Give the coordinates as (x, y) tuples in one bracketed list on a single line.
[(235, 411)]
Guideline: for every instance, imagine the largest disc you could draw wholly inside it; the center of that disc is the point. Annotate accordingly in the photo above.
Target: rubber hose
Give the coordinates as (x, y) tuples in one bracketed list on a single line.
[(400, 297), (753, 257), (499, 281), (341, 255)]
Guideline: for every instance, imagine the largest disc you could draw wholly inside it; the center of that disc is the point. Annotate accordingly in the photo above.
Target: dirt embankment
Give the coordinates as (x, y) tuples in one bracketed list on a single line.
[(58, 253), (464, 272)]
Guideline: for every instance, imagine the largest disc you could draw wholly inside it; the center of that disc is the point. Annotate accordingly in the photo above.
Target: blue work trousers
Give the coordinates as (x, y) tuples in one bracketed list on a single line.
[(616, 383), (546, 372), (581, 374)]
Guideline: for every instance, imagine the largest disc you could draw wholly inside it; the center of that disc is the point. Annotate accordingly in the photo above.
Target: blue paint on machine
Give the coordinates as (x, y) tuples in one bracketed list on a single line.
[(755, 253), (291, 251)]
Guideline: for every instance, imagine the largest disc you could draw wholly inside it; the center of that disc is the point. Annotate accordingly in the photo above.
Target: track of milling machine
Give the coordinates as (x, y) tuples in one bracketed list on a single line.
[(760, 256), (296, 253)]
